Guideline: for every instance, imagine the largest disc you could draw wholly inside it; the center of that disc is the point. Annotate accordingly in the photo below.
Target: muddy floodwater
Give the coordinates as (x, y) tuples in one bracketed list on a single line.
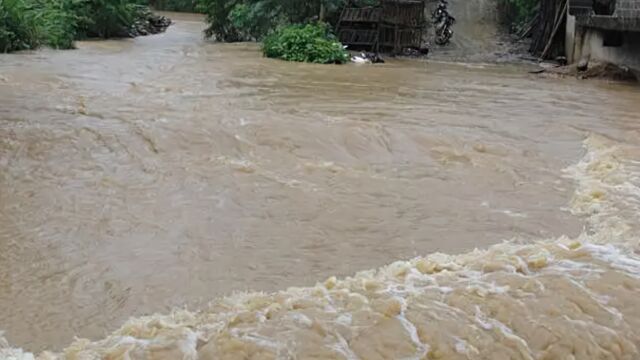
[(160, 173)]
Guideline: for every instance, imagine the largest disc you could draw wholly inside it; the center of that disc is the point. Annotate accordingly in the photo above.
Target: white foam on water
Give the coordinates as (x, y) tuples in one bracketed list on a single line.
[(9, 353), (551, 299)]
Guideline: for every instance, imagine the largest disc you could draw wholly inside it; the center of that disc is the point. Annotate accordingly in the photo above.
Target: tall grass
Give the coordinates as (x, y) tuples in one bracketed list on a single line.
[(27, 24), (107, 18), (517, 13), (56, 22), (176, 5), (18, 30)]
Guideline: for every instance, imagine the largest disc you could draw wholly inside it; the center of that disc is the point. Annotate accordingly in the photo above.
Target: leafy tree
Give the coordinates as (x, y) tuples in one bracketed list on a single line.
[(106, 18), (518, 12), (241, 20), (176, 5)]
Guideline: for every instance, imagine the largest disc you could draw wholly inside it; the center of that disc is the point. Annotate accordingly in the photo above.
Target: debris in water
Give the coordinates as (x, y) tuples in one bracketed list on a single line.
[(367, 58), (594, 69)]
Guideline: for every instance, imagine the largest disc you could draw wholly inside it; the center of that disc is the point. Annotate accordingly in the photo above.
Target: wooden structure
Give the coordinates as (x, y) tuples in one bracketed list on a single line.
[(390, 25)]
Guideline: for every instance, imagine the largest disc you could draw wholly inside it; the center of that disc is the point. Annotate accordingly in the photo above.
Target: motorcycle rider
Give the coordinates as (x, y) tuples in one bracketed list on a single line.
[(443, 22)]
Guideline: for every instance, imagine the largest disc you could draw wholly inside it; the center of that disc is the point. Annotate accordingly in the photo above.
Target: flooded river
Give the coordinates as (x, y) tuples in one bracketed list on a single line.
[(145, 176)]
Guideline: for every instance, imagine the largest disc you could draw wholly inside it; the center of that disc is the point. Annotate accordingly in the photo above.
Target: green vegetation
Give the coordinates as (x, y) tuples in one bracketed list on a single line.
[(17, 27), (56, 22), (251, 20), (518, 13), (176, 5), (305, 43), (290, 29), (106, 18), (525, 10), (27, 24)]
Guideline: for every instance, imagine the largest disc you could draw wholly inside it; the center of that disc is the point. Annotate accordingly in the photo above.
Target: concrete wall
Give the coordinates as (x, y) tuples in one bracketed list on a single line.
[(588, 41), (628, 54), (570, 38), (627, 9)]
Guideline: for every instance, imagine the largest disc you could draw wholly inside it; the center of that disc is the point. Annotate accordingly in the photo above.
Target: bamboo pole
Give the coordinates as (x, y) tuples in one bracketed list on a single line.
[(556, 27), (323, 11)]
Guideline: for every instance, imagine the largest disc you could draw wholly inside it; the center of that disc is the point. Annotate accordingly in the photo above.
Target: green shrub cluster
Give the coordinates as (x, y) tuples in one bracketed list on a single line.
[(17, 26), (250, 20), (517, 13), (305, 43), (107, 18), (277, 24), (176, 5), (56, 22), (27, 24)]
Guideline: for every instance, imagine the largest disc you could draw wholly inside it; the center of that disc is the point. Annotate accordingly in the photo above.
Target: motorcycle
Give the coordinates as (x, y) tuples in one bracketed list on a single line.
[(443, 22)]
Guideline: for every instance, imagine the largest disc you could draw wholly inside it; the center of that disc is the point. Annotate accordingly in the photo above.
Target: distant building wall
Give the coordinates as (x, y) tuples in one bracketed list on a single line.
[(612, 38), (628, 9), (593, 46)]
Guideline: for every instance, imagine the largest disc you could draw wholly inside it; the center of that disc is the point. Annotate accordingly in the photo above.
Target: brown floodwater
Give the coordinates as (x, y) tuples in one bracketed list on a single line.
[(140, 176)]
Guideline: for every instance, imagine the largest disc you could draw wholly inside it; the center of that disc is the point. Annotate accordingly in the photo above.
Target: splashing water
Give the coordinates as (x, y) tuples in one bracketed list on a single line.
[(553, 299)]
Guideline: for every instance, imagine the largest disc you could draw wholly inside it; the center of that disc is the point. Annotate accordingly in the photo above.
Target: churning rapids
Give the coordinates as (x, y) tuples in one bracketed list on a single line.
[(150, 176)]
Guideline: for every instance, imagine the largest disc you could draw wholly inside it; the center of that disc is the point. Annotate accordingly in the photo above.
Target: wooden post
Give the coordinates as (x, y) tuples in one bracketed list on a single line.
[(559, 17), (380, 34), (339, 23), (396, 35), (322, 11)]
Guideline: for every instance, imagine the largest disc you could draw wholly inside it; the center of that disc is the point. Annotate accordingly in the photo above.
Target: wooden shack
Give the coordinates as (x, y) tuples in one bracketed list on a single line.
[(391, 25)]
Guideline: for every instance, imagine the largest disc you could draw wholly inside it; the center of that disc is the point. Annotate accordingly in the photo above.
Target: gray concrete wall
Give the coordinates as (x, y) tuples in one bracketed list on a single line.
[(569, 38), (589, 43), (585, 36), (627, 8)]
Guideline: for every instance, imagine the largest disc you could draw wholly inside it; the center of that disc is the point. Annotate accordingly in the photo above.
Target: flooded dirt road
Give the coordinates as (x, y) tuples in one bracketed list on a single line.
[(145, 175)]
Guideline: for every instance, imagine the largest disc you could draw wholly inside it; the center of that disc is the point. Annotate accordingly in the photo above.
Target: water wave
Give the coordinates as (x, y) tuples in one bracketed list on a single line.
[(552, 299)]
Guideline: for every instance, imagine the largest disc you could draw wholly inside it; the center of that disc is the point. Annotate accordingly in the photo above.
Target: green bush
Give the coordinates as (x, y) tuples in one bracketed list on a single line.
[(27, 24), (176, 5), (243, 20), (106, 18), (516, 13), (305, 43), (218, 16), (253, 22), (18, 30), (57, 22)]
